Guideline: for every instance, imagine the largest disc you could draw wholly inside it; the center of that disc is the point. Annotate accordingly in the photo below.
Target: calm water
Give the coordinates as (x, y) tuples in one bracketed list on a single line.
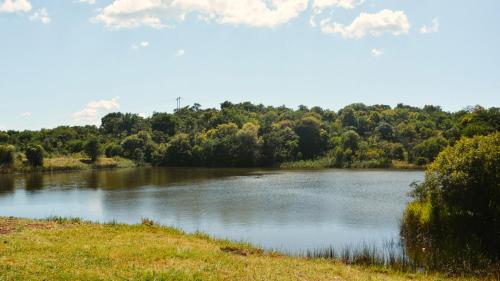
[(285, 210)]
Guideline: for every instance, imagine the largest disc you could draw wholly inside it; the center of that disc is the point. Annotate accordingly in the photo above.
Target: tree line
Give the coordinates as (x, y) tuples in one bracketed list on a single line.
[(247, 135)]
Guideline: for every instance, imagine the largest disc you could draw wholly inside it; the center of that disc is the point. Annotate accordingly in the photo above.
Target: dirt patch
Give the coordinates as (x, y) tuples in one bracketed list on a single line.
[(7, 226), (240, 251), (39, 225)]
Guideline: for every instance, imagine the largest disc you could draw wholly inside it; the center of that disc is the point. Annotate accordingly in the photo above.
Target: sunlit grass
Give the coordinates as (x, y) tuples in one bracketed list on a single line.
[(72, 249)]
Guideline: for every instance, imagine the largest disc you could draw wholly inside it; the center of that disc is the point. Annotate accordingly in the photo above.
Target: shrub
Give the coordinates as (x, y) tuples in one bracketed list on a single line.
[(113, 150), (461, 195), (7, 154), (92, 149), (34, 154)]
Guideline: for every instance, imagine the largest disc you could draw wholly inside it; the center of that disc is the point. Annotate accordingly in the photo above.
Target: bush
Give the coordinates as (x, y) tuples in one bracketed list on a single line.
[(34, 154), (92, 149), (461, 193), (113, 150), (7, 154)]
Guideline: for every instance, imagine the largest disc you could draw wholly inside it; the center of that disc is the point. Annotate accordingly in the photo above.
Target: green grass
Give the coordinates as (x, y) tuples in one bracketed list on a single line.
[(70, 249), (68, 163), (329, 162)]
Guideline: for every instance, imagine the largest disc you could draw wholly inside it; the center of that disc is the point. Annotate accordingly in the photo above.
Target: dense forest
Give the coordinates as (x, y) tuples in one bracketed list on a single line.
[(245, 134)]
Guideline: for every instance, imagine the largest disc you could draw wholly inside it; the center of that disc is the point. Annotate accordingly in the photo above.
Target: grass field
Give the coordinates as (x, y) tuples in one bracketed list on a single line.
[(69, 249), (68, 163)]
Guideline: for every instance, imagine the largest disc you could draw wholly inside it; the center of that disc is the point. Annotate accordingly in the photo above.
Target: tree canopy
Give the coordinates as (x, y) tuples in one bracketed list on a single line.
[(247, 134)]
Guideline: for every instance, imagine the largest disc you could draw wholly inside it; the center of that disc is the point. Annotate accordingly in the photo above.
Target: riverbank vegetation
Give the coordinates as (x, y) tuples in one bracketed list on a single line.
[(453, 223), (70, 249), (245, 135)]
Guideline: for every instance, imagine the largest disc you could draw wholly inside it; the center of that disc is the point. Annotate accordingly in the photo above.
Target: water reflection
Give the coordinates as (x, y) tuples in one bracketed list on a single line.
[(288, 210)]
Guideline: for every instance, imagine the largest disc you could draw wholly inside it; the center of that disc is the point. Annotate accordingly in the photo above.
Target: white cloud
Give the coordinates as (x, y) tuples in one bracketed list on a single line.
[(41, 15), (26, 114), (14, 6), (154, 13), (3, 128), (94, 110), (385, 21), (430, 29), (319, 5), (143, 44), (90, 2), (180, 53), (377, 52)]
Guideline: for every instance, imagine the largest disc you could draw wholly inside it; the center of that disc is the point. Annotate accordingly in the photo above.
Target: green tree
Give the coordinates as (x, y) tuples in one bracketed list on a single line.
[(457, 208), (350, 140), (248, 145), (280, 145), (348, 118), (92, 149), (430, 148), (7, 154), (385, 130), (178, 152), (113, 150), (309, 131), (163, 122), (4, 137), (34, 154)]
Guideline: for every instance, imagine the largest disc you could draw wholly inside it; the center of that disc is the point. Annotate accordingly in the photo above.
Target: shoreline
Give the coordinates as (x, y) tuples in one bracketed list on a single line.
[(121, 163), (88, 250)]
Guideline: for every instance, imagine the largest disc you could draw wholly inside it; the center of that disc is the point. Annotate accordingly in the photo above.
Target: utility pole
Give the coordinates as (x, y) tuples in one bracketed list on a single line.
[(178, 103)]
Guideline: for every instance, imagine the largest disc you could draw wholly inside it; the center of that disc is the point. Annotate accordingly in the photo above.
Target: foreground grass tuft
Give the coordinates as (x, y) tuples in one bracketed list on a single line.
[(73, 249)]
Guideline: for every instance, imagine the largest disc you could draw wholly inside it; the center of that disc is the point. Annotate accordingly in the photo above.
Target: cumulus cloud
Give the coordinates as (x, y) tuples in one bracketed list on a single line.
[(377, 52), (319, 5), (41, 15), (15, 6), (94, 110), (180, 53), (143, 44), (432, 28), (90, 2), (157, 13), (385, 21), (26, 114)]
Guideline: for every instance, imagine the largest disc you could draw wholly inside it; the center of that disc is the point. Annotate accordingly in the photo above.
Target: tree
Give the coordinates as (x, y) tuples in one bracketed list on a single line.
[(113, 150), (93, 149), (218, 145), (118, 123), (457, 207), (7, 154), (281, 144), (163, 122), (429, 148), (177, 152), (248, 145), (385, 130), (139, 147), (4, 137), (348, 118), (34, 154), (309, 132), (350, 140)]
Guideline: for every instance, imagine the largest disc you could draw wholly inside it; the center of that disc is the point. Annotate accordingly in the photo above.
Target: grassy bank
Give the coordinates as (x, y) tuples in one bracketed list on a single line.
[(68, 163), (328, 162), (59, 249)]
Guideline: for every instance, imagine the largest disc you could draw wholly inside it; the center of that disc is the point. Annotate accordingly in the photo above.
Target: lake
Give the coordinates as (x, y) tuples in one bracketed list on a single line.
[(290, 211)]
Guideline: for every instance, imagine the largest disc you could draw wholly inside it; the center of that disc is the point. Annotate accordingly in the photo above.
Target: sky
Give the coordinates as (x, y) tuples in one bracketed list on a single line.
[(69, 62)]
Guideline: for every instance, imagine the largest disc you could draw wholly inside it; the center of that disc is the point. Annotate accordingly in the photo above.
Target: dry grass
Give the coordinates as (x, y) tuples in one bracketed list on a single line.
[(60, 249)]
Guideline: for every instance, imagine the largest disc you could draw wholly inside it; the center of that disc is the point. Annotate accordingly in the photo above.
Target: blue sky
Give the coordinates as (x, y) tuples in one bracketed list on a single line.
[(70, 62)]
